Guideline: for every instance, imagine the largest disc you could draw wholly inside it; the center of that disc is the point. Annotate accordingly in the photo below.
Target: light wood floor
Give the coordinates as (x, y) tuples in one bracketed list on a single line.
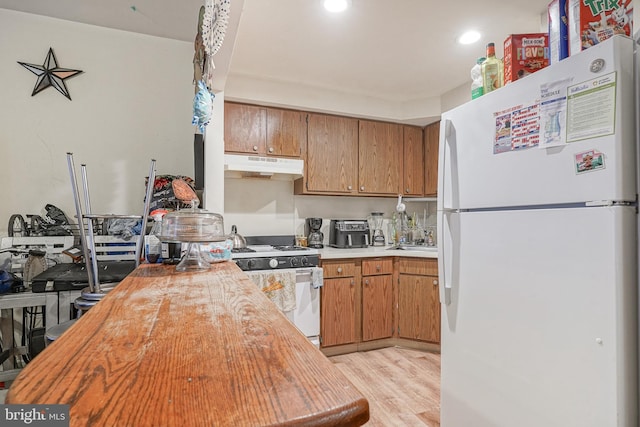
[(402, 385)]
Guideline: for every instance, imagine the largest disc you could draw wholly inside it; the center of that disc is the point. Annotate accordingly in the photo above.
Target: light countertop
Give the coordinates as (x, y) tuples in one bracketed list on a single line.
[(376, 251)]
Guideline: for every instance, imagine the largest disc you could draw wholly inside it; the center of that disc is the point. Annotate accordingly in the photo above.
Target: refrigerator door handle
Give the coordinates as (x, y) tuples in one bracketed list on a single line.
[(448, 138), (445, 129), (447, 167), (443, 284)]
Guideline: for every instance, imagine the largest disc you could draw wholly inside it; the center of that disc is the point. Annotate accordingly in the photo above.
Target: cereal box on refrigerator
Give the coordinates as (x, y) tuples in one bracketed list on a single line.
[(592, 21), (558, 31), (525, 54)]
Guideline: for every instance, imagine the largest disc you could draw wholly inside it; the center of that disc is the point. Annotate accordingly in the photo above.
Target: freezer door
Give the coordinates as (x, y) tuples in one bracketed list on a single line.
[(542, 325), (472, 176)]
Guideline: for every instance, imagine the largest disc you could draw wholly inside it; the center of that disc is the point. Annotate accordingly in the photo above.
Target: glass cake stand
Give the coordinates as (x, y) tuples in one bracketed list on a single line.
[(192, 226), (192, 259)]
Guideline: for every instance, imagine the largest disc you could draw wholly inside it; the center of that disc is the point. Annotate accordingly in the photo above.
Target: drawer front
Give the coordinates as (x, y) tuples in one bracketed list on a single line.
[(419, 266), (375, 266), (338, 269)]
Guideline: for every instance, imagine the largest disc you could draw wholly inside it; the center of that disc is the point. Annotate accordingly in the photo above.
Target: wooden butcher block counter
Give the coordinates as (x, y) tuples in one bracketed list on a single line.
[(188, 349)]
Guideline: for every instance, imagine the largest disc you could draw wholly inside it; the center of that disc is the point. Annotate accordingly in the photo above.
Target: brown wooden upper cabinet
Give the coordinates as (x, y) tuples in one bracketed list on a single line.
[(244, 128), (331, 156), (431, 143), (413, 169), (379, 158), (266, 131)]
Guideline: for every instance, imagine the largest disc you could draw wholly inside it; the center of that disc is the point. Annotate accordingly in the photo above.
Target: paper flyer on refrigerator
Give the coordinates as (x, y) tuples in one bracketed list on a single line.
[(517, 128), (553, 113), (591, 108)]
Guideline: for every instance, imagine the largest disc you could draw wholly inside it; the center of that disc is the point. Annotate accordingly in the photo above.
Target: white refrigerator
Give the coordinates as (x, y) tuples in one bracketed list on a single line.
[(538, 248)]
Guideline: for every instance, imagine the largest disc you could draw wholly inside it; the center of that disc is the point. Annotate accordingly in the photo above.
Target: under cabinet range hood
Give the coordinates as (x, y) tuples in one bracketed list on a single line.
[(245, 166)]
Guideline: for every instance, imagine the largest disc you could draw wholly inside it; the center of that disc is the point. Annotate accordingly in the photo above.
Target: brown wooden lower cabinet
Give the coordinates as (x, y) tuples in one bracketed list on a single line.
[(364, 300), (418, 300), (338, 316), (377, 299)]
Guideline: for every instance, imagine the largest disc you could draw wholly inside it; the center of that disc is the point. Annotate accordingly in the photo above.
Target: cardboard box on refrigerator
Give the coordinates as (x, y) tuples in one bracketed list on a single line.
[(525, 54), (593, 21), (558, 31)]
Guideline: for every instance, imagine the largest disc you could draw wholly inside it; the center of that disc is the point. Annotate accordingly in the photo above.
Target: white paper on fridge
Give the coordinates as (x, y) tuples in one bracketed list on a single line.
[(517, 128), (591, 108), (553, 113)]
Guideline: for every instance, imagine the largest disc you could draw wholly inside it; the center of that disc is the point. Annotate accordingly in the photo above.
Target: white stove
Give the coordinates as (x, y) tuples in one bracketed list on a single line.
[(260, 260)]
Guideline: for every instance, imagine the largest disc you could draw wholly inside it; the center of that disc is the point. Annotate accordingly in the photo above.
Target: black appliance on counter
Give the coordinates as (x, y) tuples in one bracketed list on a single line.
[(349, 233), (312, 231)]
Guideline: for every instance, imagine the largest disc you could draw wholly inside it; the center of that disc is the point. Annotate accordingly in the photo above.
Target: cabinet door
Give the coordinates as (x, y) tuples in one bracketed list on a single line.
[(337, 312), (380, 157), (419, 308), (332, 153), (431, 142), (244, 128), (286, 131), (377, 307), (413, 170)]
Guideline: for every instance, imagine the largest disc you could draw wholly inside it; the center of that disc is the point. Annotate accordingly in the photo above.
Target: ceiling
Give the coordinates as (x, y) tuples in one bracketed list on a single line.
[(400, 51)]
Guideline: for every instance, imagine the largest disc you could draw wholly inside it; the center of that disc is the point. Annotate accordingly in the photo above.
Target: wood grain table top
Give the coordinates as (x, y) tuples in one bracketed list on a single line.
[(189, 349)]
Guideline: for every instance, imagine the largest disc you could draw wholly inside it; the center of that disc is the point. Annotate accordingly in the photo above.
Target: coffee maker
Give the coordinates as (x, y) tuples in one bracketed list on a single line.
[(314, 235)]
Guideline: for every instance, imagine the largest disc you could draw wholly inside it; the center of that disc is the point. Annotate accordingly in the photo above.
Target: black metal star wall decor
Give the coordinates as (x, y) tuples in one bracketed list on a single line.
[(49, 74)]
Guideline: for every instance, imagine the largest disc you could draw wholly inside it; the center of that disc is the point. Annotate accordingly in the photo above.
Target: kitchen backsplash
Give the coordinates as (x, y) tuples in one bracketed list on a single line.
[(268, 207)]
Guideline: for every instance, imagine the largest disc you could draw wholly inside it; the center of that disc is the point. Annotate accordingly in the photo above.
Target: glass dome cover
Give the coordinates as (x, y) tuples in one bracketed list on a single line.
[(192, 225)]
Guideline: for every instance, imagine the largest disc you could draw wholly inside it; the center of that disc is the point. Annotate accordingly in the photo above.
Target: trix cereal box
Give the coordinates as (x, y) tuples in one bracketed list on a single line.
[(558, 31), (592, 21), (525, 54)]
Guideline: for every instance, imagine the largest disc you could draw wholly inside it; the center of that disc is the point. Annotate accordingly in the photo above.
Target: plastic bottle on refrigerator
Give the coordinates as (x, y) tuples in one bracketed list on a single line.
[(492, 70), (153, 245), (477, 84)]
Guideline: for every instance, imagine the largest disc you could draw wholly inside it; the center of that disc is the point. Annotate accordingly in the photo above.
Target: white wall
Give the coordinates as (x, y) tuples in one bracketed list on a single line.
[(268, 207), (214, 158), (456, 96), (324, 100), (132, 103)]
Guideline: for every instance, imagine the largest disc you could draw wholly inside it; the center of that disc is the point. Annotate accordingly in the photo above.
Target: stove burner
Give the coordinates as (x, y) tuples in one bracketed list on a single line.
[(290, 248), (242, 250)]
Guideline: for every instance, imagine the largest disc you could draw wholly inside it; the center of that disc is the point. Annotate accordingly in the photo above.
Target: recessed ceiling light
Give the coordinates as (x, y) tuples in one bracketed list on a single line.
[(469, 37), (336, 5)]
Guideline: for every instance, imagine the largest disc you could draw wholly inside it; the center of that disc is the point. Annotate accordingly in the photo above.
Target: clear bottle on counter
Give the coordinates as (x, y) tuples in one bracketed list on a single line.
[(392, 235), (153, 245), (492, 70)]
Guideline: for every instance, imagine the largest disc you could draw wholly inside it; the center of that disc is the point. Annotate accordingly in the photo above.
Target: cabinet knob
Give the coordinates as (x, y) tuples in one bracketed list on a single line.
[(339, 270), (353, 282), (378, 268), (366, 282), (362, 188), (406, 190), (350, 187), (255, 148), (435, 281), (271, 149)]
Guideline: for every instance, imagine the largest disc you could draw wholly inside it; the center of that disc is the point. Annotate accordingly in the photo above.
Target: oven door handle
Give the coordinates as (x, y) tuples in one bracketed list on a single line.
[(316, 276)]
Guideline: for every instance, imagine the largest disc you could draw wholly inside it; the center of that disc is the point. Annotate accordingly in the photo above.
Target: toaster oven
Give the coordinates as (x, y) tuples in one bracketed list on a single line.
[(349, 233)]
